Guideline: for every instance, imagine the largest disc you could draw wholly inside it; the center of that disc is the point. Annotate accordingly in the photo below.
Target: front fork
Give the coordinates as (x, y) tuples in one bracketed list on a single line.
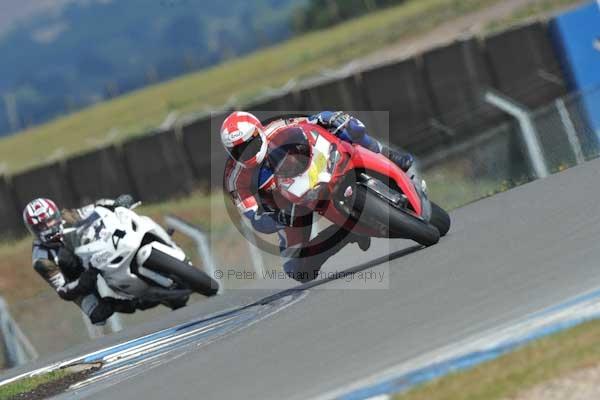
[(344, 195)]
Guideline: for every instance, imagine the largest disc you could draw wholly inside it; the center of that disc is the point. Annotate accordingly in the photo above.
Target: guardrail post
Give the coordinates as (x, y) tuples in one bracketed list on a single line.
[(115, 323), (567, 122), (94, 331), (17, 347), (530, 137), (255, 254), (201, 240)]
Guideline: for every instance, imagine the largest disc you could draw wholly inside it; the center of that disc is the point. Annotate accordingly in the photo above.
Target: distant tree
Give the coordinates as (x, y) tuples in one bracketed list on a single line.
[(104, 49)]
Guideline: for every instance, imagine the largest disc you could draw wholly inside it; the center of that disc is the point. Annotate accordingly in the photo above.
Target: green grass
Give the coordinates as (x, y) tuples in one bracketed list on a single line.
[(139, 111), (25, 385), (541, 361)]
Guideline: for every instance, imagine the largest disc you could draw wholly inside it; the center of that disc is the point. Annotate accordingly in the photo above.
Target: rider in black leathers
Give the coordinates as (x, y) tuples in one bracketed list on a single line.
[(60, 267)]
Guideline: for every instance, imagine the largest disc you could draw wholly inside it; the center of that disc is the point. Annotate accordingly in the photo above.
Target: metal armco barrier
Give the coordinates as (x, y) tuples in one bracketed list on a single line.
[(530, 136), (113, 325), (202, 244), (570, 130), (17, 348)]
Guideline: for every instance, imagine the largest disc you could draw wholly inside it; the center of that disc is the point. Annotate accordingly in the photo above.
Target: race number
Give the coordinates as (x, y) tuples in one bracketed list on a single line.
[(116, 237)]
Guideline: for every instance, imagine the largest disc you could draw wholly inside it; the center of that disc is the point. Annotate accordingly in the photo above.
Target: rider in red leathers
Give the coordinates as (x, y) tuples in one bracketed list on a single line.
[(250, 182)]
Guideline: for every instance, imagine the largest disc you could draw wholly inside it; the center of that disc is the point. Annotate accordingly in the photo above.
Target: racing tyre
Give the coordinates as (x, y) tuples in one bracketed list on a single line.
[(440, 219), (393, 222), (183, 273)]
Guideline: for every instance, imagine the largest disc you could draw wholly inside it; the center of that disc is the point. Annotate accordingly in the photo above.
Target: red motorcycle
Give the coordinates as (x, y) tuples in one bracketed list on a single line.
[(351, 186)]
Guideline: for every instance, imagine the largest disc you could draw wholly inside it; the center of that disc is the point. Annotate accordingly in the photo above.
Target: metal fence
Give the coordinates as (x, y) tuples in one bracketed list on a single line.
[(16, 347), (499, 158)]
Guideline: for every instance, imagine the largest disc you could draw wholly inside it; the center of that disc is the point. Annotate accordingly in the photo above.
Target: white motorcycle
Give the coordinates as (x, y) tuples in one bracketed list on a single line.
[(136, 257)]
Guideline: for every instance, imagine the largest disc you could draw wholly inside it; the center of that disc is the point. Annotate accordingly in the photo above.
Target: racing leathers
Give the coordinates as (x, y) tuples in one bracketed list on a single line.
[(59, 266), (252, 191)]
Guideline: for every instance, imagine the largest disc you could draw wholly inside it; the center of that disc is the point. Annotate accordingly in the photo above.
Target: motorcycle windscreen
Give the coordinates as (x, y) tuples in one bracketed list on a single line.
[(89, 229), (289, 153)]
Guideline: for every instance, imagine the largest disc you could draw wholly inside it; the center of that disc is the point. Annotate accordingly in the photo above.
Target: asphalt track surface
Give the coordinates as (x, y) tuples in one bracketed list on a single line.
[(506, 257)]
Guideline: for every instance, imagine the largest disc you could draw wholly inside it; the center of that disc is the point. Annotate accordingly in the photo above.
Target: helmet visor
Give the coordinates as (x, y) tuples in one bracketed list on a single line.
[(49, 231), (247, 150), (289, 153)]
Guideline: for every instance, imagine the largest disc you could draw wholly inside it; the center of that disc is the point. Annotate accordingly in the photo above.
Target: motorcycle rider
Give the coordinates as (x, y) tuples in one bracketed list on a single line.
[(57, 264), (250, 182)]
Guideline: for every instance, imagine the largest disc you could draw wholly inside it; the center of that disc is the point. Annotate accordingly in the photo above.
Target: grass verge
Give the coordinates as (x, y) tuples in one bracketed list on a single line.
[(509, 375), (18, 388), (45, 385), (139, 111)]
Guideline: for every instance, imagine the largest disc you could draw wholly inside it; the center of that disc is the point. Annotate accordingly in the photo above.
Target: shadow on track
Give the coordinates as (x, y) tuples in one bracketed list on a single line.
[(361, 267)]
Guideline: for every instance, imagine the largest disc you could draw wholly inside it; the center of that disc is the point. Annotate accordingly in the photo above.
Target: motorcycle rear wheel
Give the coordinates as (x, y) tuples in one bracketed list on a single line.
[(397, 223)]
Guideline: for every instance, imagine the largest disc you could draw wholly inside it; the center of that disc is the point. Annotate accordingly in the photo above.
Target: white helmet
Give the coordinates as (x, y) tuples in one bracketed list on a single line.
[(243, 136)]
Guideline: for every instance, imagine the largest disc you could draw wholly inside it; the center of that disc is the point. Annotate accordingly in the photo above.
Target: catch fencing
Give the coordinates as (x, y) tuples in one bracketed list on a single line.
[(499, 158)]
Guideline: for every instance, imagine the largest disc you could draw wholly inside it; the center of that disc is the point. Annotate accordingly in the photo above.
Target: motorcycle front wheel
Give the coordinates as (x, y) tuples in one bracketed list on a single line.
[(391, 221), (185, 274), (440, 219)]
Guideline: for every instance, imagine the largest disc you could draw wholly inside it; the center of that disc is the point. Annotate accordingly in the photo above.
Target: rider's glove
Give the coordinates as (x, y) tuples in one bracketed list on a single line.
[(288, 216), (124, 200), (69, 263), (338, 121), (84, 285), (285, 217), (293, 216)]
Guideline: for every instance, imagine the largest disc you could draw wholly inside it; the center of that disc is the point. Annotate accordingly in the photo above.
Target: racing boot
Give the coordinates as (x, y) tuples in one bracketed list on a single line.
[(175, 304), (97, 310), (363, 242), (404, 161)]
